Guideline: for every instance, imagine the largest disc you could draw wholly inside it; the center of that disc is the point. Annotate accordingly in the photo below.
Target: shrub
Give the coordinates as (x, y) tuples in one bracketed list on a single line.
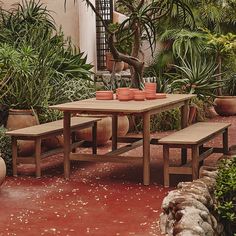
[(5, 149), (226, 194)]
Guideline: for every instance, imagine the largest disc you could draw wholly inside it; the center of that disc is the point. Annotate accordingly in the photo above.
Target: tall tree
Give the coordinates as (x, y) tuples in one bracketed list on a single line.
[(140, 24)]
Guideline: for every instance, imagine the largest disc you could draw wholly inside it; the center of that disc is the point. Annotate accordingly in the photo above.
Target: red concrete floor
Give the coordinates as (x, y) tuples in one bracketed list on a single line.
[(100, 199)]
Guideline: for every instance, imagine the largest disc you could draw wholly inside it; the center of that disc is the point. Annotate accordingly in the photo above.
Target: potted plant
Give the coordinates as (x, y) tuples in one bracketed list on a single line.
[(195, 75), (36, 62), (226, 105)]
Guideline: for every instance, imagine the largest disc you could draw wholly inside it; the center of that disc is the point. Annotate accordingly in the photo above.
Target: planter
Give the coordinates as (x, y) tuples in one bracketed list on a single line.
[(104, 129), (119, 65), (18, 119), (2, 170), (192, 115), (225, 105)]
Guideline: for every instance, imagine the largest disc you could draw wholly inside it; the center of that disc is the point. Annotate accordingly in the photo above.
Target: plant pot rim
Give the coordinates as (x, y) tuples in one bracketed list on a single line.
[(225, 97)]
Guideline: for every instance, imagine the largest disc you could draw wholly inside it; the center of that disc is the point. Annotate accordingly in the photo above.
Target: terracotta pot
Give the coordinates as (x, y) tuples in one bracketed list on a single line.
[(104, 131), (192, 114), (104, 95), (18, 119), (123, 126), (139, 95), (126, 66), (119, 65), (151, 86), (53, 142), (3, 170), (225, 105)]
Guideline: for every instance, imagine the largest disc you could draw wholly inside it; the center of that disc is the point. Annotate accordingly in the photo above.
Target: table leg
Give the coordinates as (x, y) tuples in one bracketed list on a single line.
[(184, 123), (146, 148), (94, 132), (14, 155), (38, 157), (114, 132), (67, 142)]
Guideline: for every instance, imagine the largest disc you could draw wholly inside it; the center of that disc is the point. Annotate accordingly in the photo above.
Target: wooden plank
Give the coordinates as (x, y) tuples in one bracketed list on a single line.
[(126, 148), (114, 131), (53, 127), (180, 170), (14, 155), (105, 158), (128, 139), (195, 134), (26, 160), (60, 150)]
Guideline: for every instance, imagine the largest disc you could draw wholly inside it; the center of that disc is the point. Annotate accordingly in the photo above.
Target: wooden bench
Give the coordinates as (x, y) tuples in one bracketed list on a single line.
[(39, 132), (193, 137)]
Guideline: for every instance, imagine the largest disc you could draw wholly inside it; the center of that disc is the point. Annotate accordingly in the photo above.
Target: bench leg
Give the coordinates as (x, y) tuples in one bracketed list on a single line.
[(114, 132), (166, 165), (184, 124), (14, 155), (73, 140), (195, 161), (38, 157), (94, 131), (225, 142)]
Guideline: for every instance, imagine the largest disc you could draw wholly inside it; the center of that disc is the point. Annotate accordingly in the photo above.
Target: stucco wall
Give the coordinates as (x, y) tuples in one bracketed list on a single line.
[(76, 21)]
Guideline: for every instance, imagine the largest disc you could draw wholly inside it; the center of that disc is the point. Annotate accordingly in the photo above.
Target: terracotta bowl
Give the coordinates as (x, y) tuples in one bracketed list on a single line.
[(150, 86), (124, 97), (132, 90), (139, 95), (104, 95)]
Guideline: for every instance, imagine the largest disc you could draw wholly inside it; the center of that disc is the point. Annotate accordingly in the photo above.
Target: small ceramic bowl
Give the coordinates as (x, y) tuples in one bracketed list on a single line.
[(132, 90), (139, 95), (150, 86), (104, 95)]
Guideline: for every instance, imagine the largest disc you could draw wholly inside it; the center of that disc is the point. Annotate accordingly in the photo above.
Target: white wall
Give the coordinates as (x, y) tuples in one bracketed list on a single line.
[(87, 32), (76, 21)]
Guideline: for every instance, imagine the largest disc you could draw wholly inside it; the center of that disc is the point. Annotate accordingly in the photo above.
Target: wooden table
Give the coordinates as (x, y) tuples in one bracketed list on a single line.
[(115, 108)]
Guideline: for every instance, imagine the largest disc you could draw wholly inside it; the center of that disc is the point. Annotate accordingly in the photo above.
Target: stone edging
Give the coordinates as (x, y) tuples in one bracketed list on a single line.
[(188, 210)]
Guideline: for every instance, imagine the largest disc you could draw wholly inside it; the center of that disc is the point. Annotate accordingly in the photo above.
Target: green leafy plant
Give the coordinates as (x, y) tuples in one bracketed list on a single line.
[(5, 149), (196, 75), (225, 194), (36, 62)]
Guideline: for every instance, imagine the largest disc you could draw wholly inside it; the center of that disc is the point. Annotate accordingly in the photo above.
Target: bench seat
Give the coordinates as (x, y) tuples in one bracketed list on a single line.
[(193, 137), (39, 132)]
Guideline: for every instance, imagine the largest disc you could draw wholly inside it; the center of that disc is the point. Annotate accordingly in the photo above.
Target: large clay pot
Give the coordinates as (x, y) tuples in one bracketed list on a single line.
[(123, 126), (225, 105), (119, 65), (2, 170), (104, 131), (18, 119)]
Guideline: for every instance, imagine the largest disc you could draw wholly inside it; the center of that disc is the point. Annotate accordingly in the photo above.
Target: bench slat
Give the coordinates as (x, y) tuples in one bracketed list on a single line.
[(195, 133), (52, 127)]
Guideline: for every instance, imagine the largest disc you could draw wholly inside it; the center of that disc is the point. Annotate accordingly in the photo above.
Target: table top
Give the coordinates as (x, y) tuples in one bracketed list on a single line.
[(116, 106)]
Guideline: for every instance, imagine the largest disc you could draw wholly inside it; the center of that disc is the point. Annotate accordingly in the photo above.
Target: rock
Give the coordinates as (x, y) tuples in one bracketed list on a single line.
[(187, 209)]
